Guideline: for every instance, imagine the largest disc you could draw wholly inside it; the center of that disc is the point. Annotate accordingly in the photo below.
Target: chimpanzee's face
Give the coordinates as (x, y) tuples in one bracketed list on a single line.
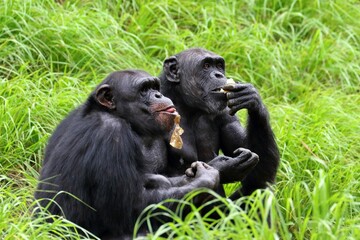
[(194, 77), (202, 74), (135, 97)]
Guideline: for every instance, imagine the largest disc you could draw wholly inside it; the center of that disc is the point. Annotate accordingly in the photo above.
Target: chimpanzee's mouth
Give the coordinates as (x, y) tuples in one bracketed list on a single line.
[(224, 88), (169, 110), (218, 90)]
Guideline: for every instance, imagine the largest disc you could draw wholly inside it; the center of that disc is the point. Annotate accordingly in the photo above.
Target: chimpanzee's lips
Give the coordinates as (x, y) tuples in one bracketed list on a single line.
[(170, 110), (218, 90), (223, 89)]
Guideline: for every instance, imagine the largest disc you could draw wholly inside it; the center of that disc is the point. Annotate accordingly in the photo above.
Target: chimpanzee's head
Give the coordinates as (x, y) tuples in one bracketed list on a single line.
[(134, 96), (196, 75)]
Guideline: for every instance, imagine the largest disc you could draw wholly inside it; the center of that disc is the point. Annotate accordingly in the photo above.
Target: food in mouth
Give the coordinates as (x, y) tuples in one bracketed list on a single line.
[(229, 81), (175, 140)]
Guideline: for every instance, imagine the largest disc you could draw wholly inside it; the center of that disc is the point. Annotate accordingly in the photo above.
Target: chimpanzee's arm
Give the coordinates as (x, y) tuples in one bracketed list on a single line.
[(158, 188), (258, 138), (157, 181)]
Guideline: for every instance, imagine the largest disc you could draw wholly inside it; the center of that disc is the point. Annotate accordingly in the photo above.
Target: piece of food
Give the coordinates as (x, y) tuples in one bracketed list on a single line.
[(175, 140), (229, 81)]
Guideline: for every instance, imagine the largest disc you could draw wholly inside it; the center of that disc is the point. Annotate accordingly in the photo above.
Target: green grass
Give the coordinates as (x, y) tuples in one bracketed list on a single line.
[(303, 56)]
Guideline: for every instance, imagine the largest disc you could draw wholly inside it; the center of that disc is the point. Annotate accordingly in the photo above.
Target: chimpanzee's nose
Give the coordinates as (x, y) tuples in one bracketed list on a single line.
[(217, 74), (158, 95)]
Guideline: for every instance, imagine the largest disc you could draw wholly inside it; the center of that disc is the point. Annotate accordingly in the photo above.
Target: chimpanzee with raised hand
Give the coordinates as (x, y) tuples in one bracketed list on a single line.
[(104, 161), (195, 81)]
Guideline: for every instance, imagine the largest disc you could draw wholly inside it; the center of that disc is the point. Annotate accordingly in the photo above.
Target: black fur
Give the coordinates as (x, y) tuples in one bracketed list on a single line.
[(108, 153), (192, 79)]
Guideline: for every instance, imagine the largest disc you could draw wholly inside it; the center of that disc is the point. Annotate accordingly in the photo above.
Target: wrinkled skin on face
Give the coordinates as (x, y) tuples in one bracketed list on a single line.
[(139, 101), (200, 75)]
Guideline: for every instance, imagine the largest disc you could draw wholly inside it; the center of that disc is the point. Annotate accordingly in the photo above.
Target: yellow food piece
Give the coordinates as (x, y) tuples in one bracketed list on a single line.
[(175, 140)]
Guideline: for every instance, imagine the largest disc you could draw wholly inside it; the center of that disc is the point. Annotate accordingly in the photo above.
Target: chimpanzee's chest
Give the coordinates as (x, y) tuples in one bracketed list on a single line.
[(201, 140), (153, 155)]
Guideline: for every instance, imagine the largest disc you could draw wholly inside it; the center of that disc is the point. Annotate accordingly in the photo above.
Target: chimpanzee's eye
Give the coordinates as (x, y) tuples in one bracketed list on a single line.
[(144, 89), (220, 65), (206, 66)]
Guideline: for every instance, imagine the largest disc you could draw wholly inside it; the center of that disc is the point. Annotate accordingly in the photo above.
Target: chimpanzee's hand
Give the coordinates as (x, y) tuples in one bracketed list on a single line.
[(235, 169), (243, 95), (203, 175)]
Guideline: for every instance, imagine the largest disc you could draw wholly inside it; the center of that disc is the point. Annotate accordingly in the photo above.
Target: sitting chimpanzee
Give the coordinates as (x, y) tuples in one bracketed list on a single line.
[(195, 81), (103, 162)]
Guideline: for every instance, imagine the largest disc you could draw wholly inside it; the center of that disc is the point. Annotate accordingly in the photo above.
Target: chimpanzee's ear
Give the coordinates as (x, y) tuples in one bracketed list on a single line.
[(105, 97), (171, 68)]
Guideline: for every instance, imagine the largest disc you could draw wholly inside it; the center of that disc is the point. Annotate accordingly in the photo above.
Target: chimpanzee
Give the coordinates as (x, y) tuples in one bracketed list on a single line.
[(195, 81), (103, 163)]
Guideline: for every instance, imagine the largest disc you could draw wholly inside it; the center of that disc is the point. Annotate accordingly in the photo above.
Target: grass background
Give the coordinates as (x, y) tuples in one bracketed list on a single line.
[(302, 55)]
